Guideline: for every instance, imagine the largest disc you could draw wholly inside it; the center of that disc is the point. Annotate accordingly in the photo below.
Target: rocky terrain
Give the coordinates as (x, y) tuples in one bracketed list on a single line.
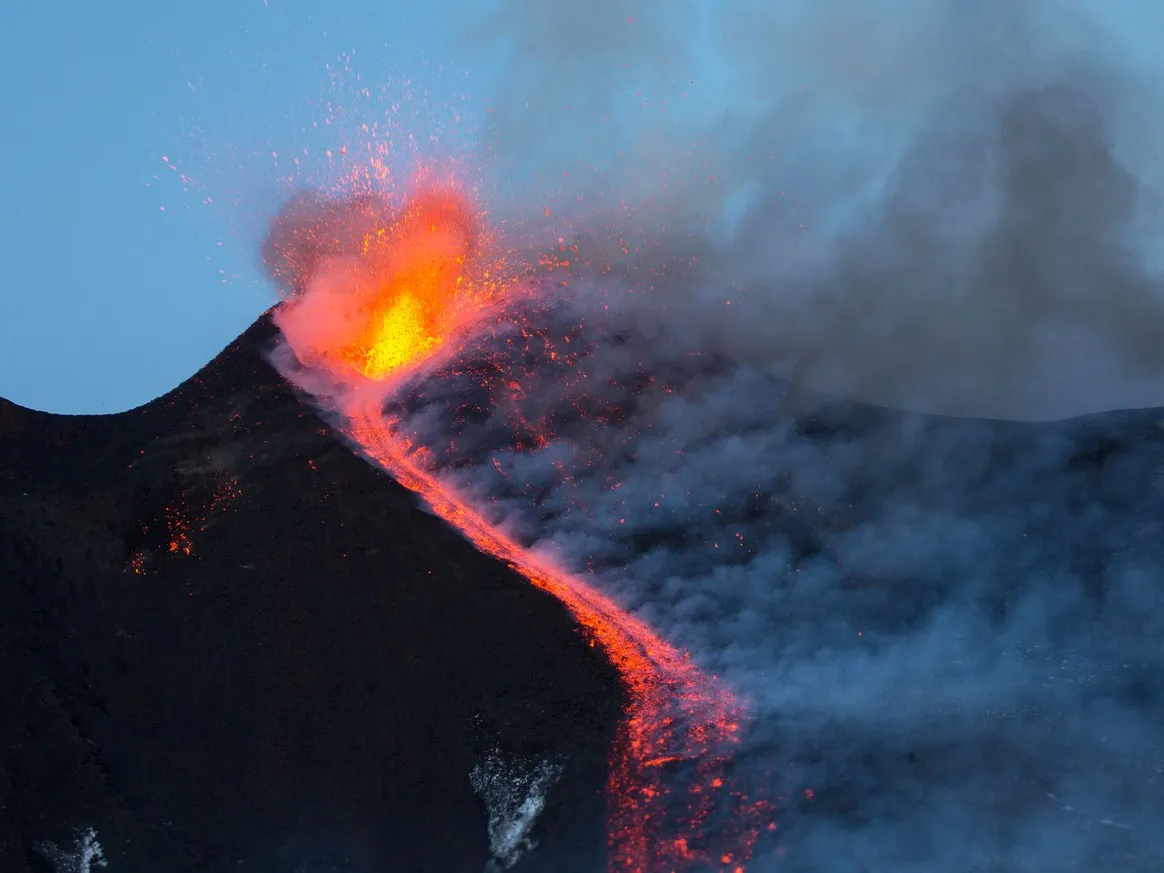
[(230, 643)]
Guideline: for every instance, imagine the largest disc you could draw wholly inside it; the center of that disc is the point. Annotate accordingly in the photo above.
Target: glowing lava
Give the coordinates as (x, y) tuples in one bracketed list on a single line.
[(676, 715), (393, 288), (391, 301)]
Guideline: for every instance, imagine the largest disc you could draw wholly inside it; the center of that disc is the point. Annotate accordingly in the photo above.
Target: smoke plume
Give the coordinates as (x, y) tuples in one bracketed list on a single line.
[(947, 628), (935, 205)]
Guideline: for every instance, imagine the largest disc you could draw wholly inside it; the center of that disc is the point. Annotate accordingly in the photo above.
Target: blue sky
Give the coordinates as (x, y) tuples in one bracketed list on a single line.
[(146, 149), (119, 280)]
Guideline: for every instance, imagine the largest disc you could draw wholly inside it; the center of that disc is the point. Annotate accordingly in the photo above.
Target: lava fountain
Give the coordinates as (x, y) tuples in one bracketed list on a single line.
[(399, 297), (382, 290)]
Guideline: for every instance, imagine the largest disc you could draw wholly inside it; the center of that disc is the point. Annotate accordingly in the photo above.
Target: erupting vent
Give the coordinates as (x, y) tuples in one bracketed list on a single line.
[(409, 287)]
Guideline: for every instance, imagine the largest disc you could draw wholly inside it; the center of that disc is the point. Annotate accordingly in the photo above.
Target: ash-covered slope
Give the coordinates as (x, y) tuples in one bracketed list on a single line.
[(948, 630), (229, 643)]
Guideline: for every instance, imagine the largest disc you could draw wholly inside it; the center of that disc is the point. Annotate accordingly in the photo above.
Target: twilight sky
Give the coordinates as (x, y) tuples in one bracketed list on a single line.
[(147, 148), (119, 280)]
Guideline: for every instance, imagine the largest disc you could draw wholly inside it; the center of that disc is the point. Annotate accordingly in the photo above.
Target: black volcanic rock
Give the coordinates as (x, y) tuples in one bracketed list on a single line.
[(230, 643)]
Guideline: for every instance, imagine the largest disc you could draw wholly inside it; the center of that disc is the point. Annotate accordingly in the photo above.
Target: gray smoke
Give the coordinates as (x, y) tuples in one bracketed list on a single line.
[(948, 628), (946, 206)]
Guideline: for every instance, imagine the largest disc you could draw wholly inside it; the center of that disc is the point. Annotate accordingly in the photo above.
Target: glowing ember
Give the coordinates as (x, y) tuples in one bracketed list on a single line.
[(179, 537), (180, 523)]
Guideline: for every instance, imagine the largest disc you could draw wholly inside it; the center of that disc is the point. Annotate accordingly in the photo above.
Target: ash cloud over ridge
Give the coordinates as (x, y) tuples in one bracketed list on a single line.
[(948, 628)]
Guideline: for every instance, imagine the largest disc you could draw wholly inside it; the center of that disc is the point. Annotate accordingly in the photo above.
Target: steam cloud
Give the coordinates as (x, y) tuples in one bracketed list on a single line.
[(948, 628)]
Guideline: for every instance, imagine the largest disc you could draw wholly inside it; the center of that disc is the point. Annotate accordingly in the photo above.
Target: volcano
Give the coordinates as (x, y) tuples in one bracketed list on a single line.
[(230, 643)]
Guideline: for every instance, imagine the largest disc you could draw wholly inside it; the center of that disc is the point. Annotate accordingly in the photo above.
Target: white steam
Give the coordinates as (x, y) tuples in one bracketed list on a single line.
[(85, 855), (514, 793)]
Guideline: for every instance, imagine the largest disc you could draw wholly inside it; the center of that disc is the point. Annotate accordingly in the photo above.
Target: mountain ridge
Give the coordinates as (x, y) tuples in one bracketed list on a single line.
[(232, 640)]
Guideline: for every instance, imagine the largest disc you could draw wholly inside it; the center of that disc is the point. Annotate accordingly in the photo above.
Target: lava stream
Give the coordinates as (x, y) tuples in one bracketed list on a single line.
[(676, 713)]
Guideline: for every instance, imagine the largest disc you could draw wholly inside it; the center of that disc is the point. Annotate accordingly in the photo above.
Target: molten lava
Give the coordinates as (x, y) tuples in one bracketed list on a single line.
[(413, 282), (423, 257), (397, 293)]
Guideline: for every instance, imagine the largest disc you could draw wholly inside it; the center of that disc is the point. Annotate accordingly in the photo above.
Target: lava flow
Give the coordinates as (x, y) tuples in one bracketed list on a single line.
[(411, 280), (391, 287)]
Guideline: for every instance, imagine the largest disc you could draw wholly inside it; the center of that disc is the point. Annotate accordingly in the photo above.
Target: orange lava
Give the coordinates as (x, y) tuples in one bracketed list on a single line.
[(676, 714), (422, 275), (414, 277)]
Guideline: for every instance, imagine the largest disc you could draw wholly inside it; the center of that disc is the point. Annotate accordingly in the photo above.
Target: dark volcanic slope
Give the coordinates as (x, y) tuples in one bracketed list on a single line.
[(308, 688)]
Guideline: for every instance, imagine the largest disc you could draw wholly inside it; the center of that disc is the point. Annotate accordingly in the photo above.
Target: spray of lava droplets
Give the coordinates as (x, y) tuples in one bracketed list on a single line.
[(381, 289)]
